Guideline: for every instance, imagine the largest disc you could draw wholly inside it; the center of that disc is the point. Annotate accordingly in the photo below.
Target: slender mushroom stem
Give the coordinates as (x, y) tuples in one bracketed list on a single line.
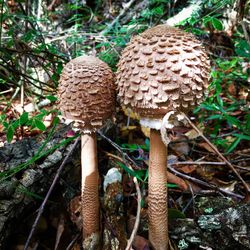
[(90, 178), (157, 192)]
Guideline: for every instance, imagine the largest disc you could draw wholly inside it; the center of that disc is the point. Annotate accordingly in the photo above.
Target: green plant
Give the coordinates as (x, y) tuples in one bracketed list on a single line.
[(224, 108), (33, 122)]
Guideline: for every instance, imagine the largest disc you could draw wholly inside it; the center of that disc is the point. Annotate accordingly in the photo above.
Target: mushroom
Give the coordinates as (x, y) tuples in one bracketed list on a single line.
[(87, 98), (161, 72)]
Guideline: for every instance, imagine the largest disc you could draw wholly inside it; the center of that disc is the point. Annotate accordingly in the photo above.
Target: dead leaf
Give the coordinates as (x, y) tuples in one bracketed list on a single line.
[(187, 169), (75, 211), (206, 146), (179, 145), (225, 185), (178, 181), (192, 134), (140, 243)]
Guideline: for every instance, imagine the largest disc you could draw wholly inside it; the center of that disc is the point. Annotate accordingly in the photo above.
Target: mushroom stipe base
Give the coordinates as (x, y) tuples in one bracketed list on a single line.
[(90, 185)]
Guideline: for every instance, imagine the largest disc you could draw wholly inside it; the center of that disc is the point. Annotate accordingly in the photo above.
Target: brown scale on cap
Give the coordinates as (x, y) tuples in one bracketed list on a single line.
[(162, 69), (87, 92)]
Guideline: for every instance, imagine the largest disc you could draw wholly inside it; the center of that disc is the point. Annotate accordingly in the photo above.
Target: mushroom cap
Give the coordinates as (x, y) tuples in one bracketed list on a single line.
[(87, 93), (160, 70)]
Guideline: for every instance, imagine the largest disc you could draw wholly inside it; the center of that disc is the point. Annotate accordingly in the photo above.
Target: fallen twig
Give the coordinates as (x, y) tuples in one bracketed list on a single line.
[(198, 163), (6, 91), (119, 149), (138, 214), (41, 208), (214, 163), (190, 178), (218, 153), (69, 247)]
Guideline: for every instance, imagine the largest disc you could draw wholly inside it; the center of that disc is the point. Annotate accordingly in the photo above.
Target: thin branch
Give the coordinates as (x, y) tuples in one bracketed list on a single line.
[(218, 163), (6, 91), (138, 214), (198, 163), (118, 148), (41, 209), (218, 153), (69, 247), (187, 177)]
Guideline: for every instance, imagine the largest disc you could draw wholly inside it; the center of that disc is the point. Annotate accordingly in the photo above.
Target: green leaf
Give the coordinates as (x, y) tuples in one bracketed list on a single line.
[(243, 137), (214, 117), (175, 213), (146, 176), (233, 121), (233, 145), (56, 120), (129, 171), (219, 100), (247, 118), (10, 133), (242, 48), (172, 185), (217, 24), (131, 147), (210, 107), (39, 124), (23, 118), (51, 98), (5, 124), (15, 124)]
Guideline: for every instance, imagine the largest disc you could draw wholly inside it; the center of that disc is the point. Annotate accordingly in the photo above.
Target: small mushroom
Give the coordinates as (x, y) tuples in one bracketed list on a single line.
[(87, 98), (170, 75)]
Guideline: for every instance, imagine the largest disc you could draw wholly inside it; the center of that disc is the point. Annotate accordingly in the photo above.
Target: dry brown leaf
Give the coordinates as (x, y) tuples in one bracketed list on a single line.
[(180, 145), (206, 172), (206, 146), (177, 180), (140, 243), (187, 169), (1, 128), (192, 134), (75, 211), (225, 185)]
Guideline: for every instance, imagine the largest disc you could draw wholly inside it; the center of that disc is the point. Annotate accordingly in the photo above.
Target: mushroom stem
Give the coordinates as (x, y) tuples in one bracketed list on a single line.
[(157, 192), (90, 179)]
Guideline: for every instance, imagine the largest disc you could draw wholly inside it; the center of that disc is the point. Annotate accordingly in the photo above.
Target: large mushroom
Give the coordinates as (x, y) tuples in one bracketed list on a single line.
[(162, 71), (87, 98)]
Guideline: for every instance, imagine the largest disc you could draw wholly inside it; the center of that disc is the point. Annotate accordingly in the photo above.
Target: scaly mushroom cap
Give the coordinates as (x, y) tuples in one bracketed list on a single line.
[(160, 70), (87, 92)]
